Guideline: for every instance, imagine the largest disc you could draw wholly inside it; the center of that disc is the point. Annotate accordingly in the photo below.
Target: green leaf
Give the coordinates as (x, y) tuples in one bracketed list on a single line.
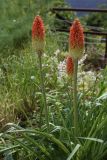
[(92, 139), (102, 97), (36, 132), (73, 152), (9, 148)]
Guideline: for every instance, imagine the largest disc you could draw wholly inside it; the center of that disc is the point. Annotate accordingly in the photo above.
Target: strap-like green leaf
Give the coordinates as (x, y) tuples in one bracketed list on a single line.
[(73, 152)]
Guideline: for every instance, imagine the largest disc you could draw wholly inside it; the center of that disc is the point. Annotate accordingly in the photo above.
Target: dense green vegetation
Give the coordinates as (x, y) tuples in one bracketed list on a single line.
[(23, 129), (16, 20)]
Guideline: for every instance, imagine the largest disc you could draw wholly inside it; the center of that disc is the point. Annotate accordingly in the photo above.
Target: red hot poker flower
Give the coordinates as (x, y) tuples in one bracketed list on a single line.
[(76, 39), (38, 34), (38, 31), (69, 65)]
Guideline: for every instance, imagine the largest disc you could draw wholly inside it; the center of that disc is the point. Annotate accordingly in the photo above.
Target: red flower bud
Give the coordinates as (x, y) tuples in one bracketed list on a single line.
[(69, 65)]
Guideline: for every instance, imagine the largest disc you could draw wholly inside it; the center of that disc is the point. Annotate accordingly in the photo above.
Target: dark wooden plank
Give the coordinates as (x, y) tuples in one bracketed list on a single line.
[(80, 9), (85, 32)]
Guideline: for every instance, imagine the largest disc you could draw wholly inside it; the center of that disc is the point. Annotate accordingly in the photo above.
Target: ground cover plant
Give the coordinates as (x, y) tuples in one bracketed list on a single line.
[(50, 108)]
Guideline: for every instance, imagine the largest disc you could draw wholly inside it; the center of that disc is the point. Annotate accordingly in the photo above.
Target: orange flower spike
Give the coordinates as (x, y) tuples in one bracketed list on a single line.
[(38, 34), (69, 65), (76, 39), (38, 30)]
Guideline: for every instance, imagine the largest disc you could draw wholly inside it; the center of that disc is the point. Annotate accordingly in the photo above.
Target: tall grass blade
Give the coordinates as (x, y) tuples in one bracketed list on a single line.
[(73, 152)]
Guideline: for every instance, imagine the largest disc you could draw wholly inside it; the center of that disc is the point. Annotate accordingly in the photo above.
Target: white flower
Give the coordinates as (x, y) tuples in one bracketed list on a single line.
[(32, 77), (14, 20), (82, 60), (61, 69), (57, 52)]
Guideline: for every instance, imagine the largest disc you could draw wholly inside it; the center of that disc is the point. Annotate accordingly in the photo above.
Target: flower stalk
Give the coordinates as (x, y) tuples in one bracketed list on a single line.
[(75, 98), (43, 92), (76, 49), (38, 43)]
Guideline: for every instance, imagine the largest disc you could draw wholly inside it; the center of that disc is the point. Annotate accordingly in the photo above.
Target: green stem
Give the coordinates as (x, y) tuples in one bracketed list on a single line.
[(43, 92), (75, 96)]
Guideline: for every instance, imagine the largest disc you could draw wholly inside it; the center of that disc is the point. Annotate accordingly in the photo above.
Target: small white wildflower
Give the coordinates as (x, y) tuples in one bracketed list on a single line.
[(14, 20), (86, 113), (32, 77), (61, 69), (45, 65), (47, 74), (57, 52), (82, 60), (45, 55)]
